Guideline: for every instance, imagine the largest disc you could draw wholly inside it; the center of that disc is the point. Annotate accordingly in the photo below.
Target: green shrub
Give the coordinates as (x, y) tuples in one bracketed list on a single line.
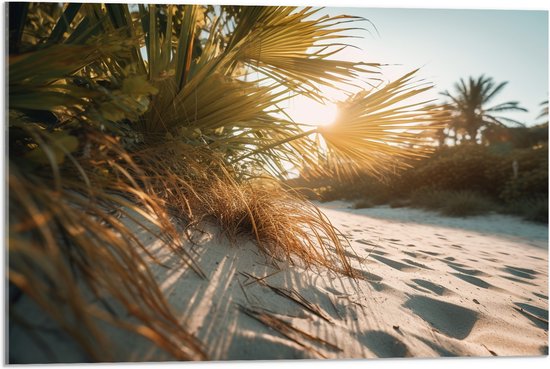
[(466, 203), (534, 209), (426, 198), (532, 178), (538, 211), (452, 203), (360, 187), (456, 168)]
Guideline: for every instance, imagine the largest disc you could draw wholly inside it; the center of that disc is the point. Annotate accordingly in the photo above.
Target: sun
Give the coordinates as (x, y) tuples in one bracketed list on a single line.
[(310, 112)]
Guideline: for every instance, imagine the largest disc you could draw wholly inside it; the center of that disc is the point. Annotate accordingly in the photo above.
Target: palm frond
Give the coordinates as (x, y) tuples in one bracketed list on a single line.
[(293, 48), (376, 131)]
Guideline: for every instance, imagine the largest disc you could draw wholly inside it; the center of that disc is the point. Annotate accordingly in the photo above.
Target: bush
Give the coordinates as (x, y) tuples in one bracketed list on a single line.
[(534, 209), (453, 203), (532, 179), (461, 180), (426, 198), (467, 203), (537, 212), (456, 168), (361, 187)]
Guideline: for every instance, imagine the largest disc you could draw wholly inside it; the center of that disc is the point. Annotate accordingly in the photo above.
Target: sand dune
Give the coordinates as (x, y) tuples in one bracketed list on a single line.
[(431, 287)]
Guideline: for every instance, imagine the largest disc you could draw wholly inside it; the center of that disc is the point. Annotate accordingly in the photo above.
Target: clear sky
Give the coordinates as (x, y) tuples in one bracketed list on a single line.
[(449, 44)]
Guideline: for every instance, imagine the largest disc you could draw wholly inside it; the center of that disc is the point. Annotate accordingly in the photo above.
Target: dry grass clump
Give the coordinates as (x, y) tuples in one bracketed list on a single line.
[(68, 246), (196, 185), (71, 254), (284, 225)]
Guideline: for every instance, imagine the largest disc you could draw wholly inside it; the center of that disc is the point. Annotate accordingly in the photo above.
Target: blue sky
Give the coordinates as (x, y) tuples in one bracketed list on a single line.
[(449, 44)]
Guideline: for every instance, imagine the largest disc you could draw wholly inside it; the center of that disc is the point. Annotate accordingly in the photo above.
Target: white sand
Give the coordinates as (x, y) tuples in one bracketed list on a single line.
[(433, 286)]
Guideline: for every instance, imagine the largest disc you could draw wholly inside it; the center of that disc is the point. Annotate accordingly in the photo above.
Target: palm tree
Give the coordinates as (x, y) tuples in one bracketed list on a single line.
[(148, 108), (469, 104), (544, 110)]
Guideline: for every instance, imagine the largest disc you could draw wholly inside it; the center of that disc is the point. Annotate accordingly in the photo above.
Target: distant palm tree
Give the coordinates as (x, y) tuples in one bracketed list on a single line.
[(469, 106), (544, 110)]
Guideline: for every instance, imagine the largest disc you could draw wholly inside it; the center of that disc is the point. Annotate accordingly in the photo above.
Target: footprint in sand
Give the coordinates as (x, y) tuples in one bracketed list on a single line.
[(392, 263), (519, 280), (450, 319), (540, 295), (430, 253), (491, 260), (411, 254), (367, 276), (365, 242), (458, 268), (383, 344), (538, 316), (520, 272), (414, 263), (423, 290), (416, 255), (473, 280), (434, 287)]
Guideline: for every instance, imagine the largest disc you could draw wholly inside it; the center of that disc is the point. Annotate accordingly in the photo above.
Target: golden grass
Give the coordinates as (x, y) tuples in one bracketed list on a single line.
[(284, 225), (198, 186), (66, 240), (66, 243)]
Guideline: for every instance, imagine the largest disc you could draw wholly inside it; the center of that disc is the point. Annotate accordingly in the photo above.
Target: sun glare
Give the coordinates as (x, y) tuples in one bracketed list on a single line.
[(309, 112)]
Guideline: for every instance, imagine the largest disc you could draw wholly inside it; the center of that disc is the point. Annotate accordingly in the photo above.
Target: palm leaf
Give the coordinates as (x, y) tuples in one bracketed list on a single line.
[(381, 128)]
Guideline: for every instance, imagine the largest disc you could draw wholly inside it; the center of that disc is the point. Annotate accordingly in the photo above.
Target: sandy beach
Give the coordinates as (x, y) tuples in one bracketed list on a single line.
[(432, 286)]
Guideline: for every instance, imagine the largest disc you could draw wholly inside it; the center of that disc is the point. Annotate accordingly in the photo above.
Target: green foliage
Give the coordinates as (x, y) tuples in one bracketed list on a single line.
[(532, 174), (462, 167), (453, 203), (534, 209), (430, 199), (470, 112), (482, 170), (460, 180), (467, 203)]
